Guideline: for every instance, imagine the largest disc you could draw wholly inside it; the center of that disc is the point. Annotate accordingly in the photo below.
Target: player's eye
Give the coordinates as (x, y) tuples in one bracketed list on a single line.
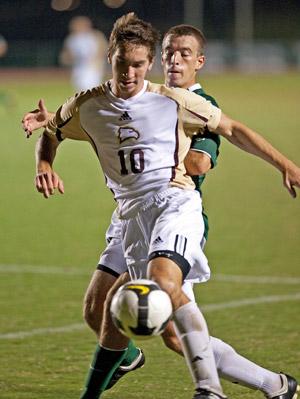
[(168, 53), (138, 65), (121, 61)]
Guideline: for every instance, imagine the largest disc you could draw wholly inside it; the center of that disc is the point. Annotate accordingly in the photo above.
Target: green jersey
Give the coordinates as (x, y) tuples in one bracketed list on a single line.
[(208, 143)]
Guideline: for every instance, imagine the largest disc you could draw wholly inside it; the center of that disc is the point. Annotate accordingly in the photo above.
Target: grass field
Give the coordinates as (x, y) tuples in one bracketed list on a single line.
[(49, 248)]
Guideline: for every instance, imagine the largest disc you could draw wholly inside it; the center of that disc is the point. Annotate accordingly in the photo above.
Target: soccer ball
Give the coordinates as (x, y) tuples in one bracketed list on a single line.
[(140, 309)]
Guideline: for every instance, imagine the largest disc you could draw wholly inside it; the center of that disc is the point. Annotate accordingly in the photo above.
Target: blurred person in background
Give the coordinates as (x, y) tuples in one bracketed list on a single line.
[(6, 100), (84, 50), (3, 46)]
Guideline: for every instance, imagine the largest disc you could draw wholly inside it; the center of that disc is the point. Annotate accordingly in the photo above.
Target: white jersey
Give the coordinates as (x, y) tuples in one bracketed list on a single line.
[(141, 142)]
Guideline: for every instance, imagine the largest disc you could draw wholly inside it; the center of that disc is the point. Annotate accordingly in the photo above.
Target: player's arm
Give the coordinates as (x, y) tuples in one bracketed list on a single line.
[(3, 46), (36, 119), (46, 180), (203, 154), (66, 57), (250, 141), (197, 163)]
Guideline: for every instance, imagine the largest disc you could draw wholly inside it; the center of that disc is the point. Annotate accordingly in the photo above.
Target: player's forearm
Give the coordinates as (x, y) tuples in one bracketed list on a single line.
[(250, 141), (45, 152)]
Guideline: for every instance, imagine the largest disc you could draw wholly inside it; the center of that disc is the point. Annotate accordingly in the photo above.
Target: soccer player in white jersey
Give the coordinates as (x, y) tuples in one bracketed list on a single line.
[(84, 50), (121, 88)]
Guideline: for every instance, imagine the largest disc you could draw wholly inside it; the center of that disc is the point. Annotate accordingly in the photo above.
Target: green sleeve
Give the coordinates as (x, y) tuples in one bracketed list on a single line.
[(208, 143)]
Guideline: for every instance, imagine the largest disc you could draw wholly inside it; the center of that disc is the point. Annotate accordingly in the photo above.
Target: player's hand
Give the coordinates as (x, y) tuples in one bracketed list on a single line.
[(35, 119), (47, 181), (291, 178)]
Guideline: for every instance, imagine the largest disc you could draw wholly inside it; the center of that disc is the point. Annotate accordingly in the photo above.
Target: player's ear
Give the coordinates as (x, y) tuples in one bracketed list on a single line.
[(151, 64), (109, 57), (200, 62), (162, 58)]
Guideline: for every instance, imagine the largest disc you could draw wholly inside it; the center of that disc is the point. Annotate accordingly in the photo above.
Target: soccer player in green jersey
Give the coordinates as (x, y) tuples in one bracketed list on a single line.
[(183, 47), (182, 58)]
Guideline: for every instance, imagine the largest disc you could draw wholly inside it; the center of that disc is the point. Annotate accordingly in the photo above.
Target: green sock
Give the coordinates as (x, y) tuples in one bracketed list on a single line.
[(130, 355), (104, 364)]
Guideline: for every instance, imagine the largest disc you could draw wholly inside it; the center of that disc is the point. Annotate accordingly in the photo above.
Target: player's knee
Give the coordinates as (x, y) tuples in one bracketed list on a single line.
[(168, 275), (172, 288)]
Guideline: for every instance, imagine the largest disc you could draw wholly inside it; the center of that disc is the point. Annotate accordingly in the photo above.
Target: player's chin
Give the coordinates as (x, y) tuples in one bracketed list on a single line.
[(129, 89), (174, 81)]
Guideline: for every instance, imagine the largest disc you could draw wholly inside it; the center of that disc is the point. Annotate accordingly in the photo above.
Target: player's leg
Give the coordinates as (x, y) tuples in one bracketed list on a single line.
[(191, 326), (169, 335), (235, 368), (111, 265), (239, 370), (174, 256), (99, 286), (101, 282), (111, 351)]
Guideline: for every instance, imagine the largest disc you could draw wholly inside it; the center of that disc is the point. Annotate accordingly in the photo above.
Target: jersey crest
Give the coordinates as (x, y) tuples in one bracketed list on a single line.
[(126, 133)]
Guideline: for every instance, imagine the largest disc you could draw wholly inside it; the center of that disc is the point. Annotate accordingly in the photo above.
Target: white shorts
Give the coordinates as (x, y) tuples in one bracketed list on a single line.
[(112, 258), (170, 221)]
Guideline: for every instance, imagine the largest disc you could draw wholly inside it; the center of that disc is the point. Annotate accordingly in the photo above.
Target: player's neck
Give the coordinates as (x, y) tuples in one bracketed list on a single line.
[(119, 92)]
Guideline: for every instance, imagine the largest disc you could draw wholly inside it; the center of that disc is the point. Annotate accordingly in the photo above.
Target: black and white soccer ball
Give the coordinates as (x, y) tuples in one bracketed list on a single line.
[(140, 309)]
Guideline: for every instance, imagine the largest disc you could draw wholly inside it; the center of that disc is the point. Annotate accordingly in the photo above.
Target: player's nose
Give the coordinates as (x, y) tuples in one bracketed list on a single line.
[(175, 57), (130, 72)]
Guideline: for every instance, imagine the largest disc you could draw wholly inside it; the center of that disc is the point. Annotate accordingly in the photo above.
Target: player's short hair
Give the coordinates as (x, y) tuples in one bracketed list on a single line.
[(187, 30), (129, 29)]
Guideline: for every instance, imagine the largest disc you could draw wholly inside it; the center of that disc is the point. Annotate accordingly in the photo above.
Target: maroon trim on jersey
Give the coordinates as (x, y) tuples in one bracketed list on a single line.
[(112, 191), (58, 131), (175, 152), (93, 143), (60, 125), (198, 116)]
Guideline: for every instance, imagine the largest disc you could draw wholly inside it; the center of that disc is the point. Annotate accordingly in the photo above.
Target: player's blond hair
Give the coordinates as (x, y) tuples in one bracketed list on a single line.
[(187, 30), (129, 29)]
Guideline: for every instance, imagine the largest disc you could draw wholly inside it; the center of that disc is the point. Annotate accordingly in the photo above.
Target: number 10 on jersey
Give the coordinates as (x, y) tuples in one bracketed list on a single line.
[(134, 163)]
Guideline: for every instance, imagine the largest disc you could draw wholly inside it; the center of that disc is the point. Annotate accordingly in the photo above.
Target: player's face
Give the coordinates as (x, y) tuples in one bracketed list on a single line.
[(181, 60), (129, 67)]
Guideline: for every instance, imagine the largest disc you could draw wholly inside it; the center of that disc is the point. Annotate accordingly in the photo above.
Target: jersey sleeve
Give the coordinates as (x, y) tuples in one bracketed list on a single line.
[(197, 113), (66, 121), (209, 144)]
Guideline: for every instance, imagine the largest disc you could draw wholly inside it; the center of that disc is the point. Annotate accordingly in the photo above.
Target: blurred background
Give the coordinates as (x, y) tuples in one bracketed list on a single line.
[(247, 35)]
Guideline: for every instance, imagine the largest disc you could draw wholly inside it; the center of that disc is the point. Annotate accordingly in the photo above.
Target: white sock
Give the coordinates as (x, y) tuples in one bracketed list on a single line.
[(234, 367), (193, 334)]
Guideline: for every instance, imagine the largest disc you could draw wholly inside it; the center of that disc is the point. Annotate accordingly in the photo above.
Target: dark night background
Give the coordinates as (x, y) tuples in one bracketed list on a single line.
[(34, 31)]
